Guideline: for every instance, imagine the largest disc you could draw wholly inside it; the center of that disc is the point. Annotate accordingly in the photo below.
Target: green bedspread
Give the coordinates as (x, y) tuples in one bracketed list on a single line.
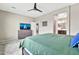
[(49, 44)]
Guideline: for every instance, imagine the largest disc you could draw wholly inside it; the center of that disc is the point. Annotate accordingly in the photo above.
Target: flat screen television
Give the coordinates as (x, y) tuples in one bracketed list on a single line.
[(25, 26)]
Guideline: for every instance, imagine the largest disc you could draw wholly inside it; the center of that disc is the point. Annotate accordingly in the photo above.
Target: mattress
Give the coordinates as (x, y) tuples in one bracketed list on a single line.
[(49, 44)]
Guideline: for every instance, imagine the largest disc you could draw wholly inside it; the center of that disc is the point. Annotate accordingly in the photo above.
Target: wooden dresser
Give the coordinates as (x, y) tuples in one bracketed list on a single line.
[(24, 33)]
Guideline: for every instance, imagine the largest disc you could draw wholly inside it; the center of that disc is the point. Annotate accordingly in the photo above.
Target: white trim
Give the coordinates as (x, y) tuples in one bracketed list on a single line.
[(28, 51)]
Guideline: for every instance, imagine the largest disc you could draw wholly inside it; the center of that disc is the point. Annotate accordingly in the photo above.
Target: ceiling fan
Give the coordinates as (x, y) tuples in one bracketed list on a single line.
[(35, 8)]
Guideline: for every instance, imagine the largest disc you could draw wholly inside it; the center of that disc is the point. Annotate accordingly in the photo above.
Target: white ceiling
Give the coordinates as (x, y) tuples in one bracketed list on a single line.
[(21, 8)]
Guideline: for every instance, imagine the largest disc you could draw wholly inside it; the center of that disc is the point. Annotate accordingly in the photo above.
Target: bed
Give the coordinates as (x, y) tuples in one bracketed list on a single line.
[(48, 44)]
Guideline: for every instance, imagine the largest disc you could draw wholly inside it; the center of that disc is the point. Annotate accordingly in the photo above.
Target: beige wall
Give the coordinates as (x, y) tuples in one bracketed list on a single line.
[(74, 19), (9, 25), (49, 27)]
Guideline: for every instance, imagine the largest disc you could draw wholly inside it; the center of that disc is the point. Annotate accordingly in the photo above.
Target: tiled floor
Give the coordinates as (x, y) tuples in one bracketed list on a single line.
[(11, 48), (18, 52)]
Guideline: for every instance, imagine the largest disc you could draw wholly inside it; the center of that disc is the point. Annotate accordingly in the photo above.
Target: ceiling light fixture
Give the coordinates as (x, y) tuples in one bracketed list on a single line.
[(13, 7)]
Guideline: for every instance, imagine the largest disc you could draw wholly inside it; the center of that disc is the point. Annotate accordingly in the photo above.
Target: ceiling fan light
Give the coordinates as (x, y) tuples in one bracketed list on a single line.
[(13, 7)]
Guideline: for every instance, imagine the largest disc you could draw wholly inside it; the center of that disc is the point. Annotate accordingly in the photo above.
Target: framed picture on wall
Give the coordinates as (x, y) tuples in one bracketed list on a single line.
[(44, 23)]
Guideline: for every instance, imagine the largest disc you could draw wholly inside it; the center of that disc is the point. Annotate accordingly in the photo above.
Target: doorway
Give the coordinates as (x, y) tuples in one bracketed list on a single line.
[(37, 28)]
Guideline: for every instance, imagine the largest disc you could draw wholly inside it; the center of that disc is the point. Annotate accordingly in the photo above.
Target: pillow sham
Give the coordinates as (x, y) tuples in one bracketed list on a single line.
[(75, 40)]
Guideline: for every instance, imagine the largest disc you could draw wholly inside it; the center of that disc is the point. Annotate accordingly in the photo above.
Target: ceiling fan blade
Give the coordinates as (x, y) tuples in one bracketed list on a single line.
[(39, 10), (35, 8), (34, 5), (30, 9)]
